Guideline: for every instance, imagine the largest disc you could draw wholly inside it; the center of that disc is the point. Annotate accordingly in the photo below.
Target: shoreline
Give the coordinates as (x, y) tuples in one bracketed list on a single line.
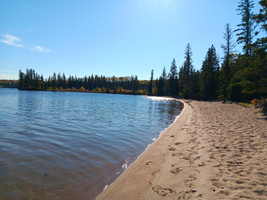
[(125, 166), (107, 193), (211, 151)]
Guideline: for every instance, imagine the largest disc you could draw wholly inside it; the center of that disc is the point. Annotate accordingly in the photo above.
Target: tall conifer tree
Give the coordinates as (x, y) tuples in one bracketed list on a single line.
[(150, 87), (186, 73), (173, 76), (209, 75), (225, 73), (162, 84), (245, 31)]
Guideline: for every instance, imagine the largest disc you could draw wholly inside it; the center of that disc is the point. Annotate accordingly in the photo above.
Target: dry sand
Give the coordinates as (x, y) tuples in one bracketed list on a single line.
[(212, 151)]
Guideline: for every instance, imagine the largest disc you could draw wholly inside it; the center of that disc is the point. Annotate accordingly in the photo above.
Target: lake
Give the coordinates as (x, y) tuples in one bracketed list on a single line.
[(65, 145)]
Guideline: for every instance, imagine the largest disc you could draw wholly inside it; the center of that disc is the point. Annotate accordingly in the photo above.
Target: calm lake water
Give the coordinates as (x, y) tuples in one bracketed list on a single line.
[(56, 145)]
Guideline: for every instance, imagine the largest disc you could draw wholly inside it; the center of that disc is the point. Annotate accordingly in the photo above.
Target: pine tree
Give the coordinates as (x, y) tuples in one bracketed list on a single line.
[(173, 79), (173, 70), (164, 74), (162, 84), (64, 81), (209, 75), (185, 74), (59, 80), (54, 80), (195, 84), (261, 18), (249, 80), (246, 28), (259, 64), (150, 87), (21, 80), (225, 73)]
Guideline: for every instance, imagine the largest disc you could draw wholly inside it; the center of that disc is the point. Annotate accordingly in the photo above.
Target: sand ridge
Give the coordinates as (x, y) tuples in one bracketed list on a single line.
[(213, 151)]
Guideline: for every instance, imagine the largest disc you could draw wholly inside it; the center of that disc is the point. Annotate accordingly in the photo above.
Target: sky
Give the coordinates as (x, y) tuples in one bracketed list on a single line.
[(109, 37)]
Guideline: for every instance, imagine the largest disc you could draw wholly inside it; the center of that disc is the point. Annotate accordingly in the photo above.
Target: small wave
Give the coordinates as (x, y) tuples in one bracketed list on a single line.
[(125, 165), (159, 98), (105, 187)]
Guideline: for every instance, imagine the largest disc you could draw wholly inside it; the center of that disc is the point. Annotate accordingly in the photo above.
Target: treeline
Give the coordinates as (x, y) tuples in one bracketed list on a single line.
[(122, 85), (241, 76), (8, 83)]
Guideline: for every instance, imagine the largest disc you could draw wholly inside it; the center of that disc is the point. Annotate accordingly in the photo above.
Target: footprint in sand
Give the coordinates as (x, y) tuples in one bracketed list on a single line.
[(176, 170), (172, 149), (189, 181), (224, 192), (192, 140), (202, 164), (186, 158), (149, 162), (188, 194), (217, 185), (154, 173), (177, 154), (198, 157), (260, 192), (162, 191)]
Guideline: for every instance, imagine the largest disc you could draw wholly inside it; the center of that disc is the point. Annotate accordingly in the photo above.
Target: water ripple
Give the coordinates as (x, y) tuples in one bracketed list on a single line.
[(71, 145)]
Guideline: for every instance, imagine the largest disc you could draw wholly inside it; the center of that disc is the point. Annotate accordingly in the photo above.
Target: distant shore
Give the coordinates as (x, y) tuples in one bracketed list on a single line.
[(97, 90), (212, 151)]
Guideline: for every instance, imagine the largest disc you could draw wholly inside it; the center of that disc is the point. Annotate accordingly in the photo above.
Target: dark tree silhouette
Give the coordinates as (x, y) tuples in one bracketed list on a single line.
[(245, 30), (209, 75), (173, 79), (150, 87), (162, 84), (185, 74), (225, 73)]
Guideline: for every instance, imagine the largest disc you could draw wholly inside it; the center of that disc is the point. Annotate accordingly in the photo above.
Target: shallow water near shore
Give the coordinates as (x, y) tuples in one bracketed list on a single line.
[(64, 145)]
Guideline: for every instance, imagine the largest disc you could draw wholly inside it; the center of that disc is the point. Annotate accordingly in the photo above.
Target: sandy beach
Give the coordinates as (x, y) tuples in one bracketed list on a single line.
[(212, 151)]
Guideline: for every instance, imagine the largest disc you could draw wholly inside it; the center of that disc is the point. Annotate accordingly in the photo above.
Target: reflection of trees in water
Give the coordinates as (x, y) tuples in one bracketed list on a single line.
[(168, 110), (174, 109)]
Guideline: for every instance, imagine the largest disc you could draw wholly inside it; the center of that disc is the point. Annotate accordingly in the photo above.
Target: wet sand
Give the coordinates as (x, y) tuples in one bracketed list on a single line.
[(212, 151)]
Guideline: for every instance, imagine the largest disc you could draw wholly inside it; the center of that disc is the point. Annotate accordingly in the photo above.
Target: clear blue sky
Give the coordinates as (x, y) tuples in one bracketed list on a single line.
[(109, 37)]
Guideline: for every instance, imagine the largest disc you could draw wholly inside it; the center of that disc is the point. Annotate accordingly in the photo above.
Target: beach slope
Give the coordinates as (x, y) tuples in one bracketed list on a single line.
[(212, 151)]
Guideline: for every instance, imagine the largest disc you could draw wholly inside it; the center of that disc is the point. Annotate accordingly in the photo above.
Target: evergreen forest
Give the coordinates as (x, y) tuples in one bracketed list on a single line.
[(241, 76), (8, 83)]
